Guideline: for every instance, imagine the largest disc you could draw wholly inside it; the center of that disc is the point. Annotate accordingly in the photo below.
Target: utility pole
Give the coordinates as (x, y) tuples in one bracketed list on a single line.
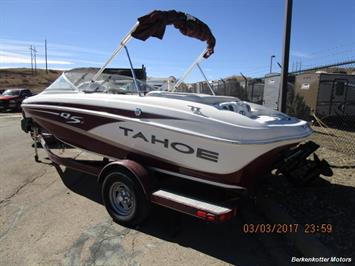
[(45, 52), (31, 59), (285, 56), (35, 57)]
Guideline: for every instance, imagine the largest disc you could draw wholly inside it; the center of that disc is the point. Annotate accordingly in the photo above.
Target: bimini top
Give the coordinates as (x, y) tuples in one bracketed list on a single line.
[(154, 24), (151, 25)]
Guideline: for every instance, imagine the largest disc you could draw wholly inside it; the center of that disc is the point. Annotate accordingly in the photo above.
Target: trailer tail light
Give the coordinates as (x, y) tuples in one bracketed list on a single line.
[(223, 217), (206, 216), (211, 217), (227, 216), (201, 214), (215, 217)]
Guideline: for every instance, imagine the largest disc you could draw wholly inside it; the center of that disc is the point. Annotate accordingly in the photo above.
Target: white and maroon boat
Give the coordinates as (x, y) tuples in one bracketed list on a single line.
[(215, 140), (211, 139)]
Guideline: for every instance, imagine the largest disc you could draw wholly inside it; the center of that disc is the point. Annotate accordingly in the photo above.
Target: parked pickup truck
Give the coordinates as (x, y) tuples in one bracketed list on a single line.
[(11, 99)]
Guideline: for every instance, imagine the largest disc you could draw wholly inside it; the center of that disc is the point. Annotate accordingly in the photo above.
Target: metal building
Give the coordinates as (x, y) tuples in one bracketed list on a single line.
[(255, 90), (327, 94), (272, 89)]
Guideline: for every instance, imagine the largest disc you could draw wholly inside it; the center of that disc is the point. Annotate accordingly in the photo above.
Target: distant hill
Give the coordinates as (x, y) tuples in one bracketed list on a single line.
[(23, 78)]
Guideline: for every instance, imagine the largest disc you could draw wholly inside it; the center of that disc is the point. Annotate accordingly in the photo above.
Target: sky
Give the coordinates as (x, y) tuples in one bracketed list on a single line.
[(84, 33)]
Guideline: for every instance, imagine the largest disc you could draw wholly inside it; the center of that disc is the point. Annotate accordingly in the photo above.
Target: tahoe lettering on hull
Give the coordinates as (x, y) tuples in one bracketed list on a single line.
[(168, 144)]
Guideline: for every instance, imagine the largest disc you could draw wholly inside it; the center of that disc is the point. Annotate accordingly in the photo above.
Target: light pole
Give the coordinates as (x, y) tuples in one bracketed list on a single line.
[(272, 57), (285, 56)]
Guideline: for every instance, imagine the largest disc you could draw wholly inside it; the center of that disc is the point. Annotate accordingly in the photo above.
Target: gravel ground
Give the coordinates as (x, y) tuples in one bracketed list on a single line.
[(335, 139), (329, 200), (52, 217)]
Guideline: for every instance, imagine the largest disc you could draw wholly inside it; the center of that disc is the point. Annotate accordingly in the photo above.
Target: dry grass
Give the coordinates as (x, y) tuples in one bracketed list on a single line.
[(23, 78), (334, 139)]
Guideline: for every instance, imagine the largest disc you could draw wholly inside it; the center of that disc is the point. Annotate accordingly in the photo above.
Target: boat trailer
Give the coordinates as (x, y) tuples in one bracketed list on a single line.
[(126, 185)]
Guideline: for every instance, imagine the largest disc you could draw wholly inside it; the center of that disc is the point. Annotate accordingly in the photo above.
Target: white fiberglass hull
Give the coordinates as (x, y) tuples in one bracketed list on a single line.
[(167, 134)]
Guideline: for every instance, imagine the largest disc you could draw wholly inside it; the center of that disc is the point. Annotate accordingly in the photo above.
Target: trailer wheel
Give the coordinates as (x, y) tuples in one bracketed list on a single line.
[(124, 198)]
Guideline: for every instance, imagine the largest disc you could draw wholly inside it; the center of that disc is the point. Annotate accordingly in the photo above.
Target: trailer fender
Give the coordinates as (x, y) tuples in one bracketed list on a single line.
[(141, 175)]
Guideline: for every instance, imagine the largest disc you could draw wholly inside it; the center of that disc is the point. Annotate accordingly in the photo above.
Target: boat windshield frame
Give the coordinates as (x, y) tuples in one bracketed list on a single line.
[(81, 80)]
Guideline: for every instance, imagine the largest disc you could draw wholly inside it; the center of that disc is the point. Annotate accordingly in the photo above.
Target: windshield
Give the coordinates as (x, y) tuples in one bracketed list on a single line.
[(80, 79), (11, 93)]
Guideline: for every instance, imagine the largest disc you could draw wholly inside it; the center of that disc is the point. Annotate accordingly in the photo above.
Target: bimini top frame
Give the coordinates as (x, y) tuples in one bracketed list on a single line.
[(122, 44), (160, 18), (197, 62)]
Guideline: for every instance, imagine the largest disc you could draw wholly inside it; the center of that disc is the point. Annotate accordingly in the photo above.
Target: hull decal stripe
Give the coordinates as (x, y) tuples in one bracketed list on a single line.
[(110, 110)]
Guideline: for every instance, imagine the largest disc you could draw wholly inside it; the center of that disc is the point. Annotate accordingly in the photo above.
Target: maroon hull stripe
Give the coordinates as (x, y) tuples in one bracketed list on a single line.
[(110, 110), (81, 140), (82, 120)]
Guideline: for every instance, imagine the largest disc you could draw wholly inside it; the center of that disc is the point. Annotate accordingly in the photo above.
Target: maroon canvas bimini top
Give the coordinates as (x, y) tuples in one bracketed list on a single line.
[(154, 23)]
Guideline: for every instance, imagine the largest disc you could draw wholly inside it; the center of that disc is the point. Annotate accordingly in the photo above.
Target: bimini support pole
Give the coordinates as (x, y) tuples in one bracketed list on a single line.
[(191, 67), (208, 83), (124, 41), (132, 71)]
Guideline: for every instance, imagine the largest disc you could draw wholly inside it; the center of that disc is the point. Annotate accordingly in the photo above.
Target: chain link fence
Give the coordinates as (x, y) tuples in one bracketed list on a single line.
[(326, 97)]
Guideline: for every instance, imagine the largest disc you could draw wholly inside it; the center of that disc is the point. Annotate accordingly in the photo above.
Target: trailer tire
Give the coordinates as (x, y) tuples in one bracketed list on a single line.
[(124, 198)]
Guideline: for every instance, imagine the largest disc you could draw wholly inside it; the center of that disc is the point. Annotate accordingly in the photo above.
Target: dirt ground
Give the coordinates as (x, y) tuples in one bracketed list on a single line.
[(328, 200), (52, 217), (338, 140)]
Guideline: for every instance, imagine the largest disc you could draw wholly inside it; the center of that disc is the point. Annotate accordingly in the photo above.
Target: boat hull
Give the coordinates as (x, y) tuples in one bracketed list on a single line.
[(169, 151)]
